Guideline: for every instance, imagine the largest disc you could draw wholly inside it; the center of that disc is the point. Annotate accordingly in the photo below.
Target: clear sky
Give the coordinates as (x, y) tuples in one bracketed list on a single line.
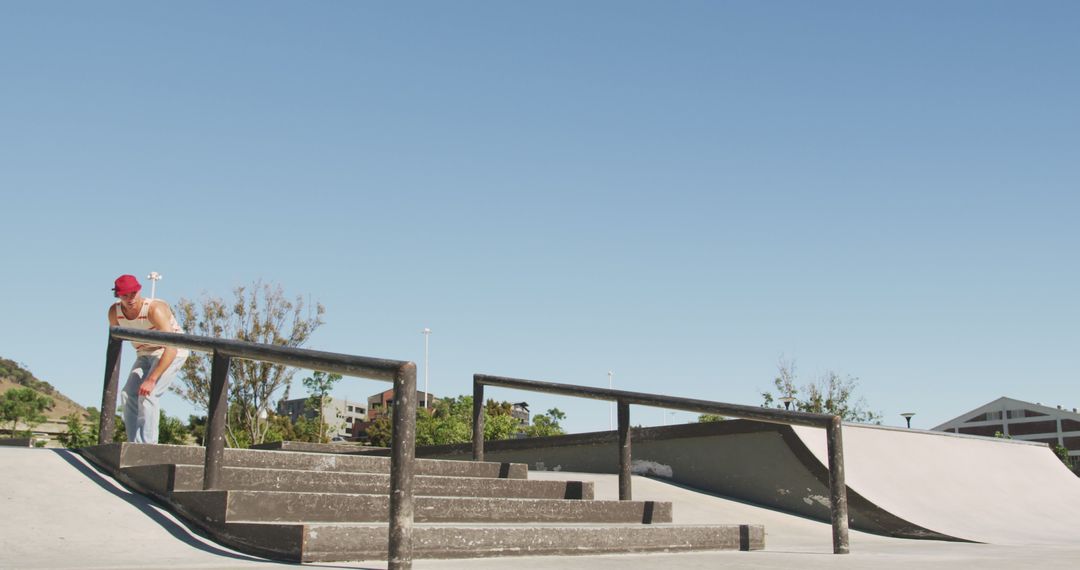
[(680, 192)]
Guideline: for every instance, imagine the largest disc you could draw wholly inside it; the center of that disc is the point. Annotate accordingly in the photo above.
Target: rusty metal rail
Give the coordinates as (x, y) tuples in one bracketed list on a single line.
[(623, 399), (401, 373)]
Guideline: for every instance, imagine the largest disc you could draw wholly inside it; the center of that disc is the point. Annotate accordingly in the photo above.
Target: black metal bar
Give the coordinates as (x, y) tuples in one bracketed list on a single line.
[(478, 420), (402, 452), (624, 451), (671, 402), (832, 425), (400, 372), (107, 421), (837, 487), (215, 421), (347, 364)]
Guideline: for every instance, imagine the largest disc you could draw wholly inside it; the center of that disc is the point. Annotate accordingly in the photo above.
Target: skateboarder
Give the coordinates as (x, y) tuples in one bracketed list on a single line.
[(155, 366)]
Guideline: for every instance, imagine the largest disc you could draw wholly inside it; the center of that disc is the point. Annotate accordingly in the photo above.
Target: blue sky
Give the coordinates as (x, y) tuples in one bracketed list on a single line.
[(680, 192)]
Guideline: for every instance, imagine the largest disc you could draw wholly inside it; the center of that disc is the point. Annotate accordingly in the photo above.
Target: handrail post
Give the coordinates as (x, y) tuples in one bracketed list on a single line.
[(402, 466), (215, 421), (107, 421), (624, 451), (837, 486), (478, 419)]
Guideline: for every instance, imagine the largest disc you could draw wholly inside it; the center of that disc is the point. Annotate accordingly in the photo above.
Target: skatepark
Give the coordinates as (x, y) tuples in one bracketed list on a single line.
[(992, 503)]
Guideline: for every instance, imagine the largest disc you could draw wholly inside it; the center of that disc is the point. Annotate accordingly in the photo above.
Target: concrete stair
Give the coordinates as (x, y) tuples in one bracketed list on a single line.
[(160, 480), (325, 507)]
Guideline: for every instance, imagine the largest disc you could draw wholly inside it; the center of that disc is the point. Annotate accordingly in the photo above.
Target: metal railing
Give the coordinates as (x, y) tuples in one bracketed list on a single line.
[(832, 425), (401, 373)]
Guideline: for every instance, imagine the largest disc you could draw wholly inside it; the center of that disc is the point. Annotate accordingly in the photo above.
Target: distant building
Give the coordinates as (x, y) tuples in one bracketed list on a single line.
[(1021, 420), (339, 414), (520, 411), (380, 404)]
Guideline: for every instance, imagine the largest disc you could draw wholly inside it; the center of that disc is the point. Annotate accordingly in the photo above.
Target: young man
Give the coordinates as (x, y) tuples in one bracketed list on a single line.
[(155, 366)]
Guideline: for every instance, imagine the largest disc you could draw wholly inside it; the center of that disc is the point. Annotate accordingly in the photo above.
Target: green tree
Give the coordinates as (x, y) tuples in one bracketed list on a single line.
[(544, 425), (1062, 453), (257, 313), (830, 394), (171, 430), (23, 405), (710, 418), (196, 426), (450, 421), (94, 421), (380, 431), (319, 386), (76, 435)]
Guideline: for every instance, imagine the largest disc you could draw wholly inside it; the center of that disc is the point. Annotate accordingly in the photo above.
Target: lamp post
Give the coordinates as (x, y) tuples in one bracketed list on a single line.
[(262, 416), (427, 334), (154, 277), (787, 400), (907, 416), (611, 407)]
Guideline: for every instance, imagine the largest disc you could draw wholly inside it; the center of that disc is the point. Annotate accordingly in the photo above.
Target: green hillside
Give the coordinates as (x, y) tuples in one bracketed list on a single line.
[(13, 374)]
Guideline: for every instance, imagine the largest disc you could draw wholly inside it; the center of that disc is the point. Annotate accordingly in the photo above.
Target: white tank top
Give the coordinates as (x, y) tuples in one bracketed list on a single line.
[(142, 322)]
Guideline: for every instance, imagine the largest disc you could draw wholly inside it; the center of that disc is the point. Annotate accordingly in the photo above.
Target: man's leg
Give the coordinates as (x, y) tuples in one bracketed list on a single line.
[(149, 406), (129, 398)]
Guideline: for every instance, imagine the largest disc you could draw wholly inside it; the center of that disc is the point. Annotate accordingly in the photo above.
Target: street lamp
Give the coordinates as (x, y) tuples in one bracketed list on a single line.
[(427, 335), (154, 277), (787, 400), (611, 407), (262, 416), (907, 416)]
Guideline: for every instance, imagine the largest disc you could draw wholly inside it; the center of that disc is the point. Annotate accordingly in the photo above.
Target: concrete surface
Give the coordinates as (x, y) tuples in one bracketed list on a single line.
[(979, 489), (901, 482), (62, 513)]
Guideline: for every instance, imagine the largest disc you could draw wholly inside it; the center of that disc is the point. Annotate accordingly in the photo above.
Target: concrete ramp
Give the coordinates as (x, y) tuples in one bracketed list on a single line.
[(59, 512), (978, 489), (902, 483)]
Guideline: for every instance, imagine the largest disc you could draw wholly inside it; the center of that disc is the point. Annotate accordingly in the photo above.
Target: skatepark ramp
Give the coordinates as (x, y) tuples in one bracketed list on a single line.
[(247, 518), (900, 482)]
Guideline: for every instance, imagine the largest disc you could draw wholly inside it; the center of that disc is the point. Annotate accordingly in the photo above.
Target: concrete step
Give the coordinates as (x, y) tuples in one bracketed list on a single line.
[(113, 456), (160, 480), (319, 542), (219, 507)]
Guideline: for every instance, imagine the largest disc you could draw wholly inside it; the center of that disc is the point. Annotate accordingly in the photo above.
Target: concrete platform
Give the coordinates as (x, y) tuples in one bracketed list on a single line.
[(63, 513)]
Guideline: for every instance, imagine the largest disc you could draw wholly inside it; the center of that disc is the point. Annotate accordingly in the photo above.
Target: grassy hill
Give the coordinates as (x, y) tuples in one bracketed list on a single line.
[(14, 375)]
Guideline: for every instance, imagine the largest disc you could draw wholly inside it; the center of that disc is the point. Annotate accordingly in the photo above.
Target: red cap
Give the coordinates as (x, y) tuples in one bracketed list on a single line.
[(125, 285)]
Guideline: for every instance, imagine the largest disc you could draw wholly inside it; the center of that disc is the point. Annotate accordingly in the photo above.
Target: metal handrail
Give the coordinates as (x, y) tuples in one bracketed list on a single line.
[(401, 373), (623, 399)]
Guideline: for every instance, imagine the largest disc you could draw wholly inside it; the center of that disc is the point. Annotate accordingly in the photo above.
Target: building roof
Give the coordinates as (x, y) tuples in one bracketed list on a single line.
[(1006, 403)]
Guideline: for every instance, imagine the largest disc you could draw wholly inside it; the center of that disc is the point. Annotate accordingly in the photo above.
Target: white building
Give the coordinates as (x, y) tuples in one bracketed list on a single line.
[(1021, 420), (339, 414)]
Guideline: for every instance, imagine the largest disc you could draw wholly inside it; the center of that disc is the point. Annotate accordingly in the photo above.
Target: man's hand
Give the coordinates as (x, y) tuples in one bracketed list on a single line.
[(147, 386)]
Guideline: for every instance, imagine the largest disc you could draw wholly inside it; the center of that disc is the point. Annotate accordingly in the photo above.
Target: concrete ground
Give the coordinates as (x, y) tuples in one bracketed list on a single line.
[(62, 513)]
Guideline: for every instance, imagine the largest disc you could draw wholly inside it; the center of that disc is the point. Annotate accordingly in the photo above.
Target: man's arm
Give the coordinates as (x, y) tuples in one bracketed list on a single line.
[(160, 317), (112, 316)]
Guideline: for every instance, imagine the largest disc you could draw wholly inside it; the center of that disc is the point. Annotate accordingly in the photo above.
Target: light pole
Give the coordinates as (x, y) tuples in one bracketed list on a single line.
[(262, 416), (154, 277), (669, 413), (787, 400), (427, 334), (907, 416), (611, 407)]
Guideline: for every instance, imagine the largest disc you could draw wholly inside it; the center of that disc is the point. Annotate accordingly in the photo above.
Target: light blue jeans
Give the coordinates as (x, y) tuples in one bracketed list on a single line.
[(141, 413)]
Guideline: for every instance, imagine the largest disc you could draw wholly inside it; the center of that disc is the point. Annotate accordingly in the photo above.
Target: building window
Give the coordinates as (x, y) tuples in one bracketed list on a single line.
[(1024, 414), (350, 408)]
